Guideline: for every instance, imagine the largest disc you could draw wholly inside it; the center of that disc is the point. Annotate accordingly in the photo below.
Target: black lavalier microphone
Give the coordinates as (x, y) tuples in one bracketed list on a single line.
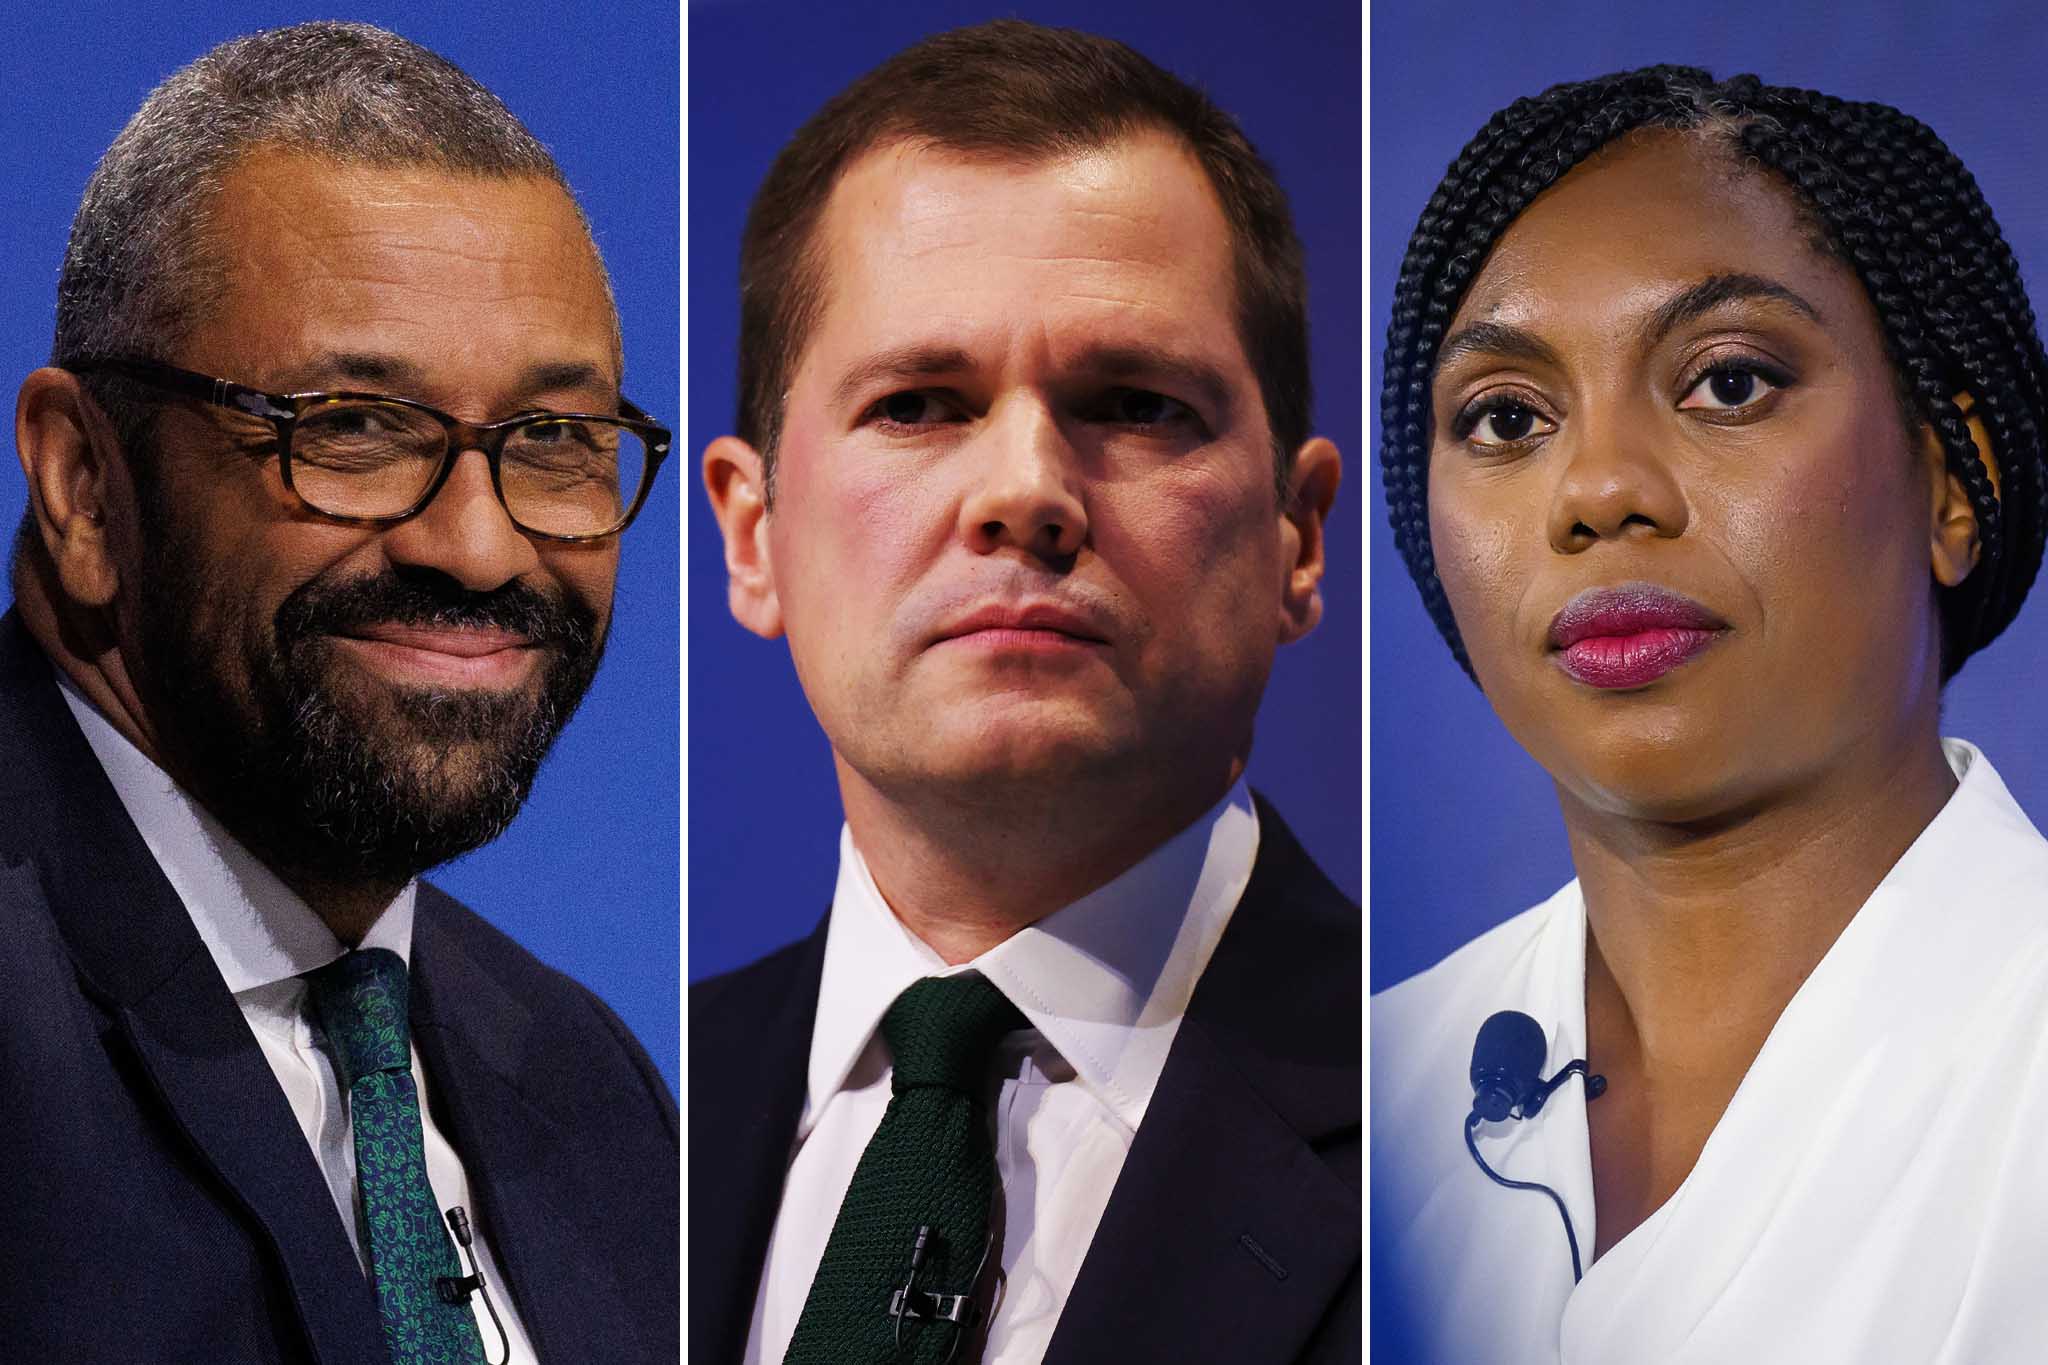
[(457, 1291), (1507, 1082)]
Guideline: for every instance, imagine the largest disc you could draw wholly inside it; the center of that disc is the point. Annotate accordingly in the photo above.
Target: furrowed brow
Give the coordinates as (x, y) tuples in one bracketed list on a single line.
[(1140, 362), (551, 376), (904, 364)]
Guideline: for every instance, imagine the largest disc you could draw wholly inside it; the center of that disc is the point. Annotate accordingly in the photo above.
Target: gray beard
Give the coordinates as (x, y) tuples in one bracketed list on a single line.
[(344, 784)]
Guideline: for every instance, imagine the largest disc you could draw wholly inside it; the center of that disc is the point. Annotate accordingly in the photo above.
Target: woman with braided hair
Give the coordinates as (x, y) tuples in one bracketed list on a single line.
[(1712, 432)]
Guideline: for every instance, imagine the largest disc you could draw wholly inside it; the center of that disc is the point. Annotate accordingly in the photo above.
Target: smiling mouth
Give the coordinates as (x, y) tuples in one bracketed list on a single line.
[(1628, 637), (444, 657)]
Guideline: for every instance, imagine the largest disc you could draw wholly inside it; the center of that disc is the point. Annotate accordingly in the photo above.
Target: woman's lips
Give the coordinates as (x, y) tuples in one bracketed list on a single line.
[(1630, 636)]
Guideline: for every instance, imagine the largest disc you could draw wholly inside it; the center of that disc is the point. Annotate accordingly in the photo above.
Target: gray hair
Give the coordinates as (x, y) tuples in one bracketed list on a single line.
[(138, 274)]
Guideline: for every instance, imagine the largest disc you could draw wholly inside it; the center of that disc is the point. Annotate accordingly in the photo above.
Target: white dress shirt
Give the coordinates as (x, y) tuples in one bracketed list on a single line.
[(1873, 1193), (264, 939), (1103, 983)]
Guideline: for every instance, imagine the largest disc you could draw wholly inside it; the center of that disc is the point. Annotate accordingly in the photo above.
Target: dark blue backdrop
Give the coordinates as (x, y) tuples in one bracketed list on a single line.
[(764, 810), (1465, 829), (588, 876)]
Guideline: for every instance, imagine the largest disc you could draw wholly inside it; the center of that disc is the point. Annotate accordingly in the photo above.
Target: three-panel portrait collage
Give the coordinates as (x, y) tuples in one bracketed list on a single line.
[(772, 683)]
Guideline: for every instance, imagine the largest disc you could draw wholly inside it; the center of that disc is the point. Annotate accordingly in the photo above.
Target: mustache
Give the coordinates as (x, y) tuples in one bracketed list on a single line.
[(319, 608)]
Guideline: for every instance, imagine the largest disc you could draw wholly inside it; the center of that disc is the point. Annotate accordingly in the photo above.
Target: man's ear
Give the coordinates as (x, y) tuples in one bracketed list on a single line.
[(75, 482), (736, 479), (1311, 491), (1956, 544)]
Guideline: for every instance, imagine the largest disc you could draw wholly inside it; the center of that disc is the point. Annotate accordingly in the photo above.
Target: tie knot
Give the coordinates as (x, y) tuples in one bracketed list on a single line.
[(362, 1000), (943, 1029)]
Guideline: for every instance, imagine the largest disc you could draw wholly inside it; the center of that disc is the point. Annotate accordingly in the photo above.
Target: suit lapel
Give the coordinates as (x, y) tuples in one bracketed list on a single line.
[(751, 1057), (136, 951), (1233, 1230), (1226, 1238), (512, 1146), (196, 1048)]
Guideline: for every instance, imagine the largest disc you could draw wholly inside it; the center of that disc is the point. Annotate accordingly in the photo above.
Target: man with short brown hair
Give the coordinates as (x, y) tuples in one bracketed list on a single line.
[(1070, 1071)]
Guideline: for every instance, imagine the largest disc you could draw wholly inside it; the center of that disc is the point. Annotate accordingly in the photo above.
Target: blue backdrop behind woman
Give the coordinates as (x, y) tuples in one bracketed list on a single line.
[(587, 876), (1465, 826), (764, 815)]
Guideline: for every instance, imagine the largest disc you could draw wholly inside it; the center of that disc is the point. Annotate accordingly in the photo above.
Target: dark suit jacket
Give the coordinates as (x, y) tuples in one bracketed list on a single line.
[(1233, 1232), (158, 1202)]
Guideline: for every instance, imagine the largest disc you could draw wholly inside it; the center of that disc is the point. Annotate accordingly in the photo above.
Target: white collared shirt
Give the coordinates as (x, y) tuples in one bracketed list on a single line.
[(1872, 1194), (1103, 983), (264, 939)]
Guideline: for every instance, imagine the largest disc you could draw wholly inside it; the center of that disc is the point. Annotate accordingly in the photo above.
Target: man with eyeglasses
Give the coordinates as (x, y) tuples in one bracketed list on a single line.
[(326, 485)]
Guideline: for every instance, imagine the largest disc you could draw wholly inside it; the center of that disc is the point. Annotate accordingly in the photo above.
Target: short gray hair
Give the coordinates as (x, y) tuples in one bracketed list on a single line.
[(137, 273)]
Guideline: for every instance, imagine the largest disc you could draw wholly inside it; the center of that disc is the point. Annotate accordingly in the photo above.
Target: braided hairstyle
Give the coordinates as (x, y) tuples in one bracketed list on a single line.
[(1885, 196)]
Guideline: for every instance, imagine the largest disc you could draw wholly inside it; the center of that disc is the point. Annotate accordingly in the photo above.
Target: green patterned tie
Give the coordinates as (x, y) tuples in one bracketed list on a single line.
[(925, 1182), (361, 1000)]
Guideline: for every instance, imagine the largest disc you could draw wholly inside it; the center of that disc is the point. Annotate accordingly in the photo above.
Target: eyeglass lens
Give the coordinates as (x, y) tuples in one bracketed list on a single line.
[(566, 477)]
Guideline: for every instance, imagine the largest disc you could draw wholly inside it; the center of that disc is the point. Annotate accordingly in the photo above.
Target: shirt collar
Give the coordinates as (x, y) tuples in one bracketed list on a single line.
[(1104, 980), (255, 927)]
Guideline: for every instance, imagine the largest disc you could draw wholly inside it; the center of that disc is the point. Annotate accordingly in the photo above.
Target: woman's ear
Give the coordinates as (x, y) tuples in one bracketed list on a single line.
[(1956, 545)]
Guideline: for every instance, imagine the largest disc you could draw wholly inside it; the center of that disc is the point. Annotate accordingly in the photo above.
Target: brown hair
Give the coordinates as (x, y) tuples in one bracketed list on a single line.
[(1013, 89)]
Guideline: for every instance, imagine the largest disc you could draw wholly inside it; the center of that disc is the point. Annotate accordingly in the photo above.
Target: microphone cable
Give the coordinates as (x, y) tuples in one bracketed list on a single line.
[(1507, 1062)]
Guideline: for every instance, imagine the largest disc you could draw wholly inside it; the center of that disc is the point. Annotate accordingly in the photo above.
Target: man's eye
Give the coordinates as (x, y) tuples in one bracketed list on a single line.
[(913, 408), (1140, 408), (1727, 388)]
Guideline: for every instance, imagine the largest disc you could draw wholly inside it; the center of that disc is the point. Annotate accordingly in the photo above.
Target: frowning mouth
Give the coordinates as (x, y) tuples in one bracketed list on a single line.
[(1631, 635)]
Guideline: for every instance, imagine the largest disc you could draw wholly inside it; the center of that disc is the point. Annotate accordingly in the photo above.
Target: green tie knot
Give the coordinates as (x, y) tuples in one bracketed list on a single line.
[(943, 1030), (362, 1000)]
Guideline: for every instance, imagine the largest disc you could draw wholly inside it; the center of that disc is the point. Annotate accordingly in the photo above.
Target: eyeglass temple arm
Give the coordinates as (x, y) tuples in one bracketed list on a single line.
[(171, 379)]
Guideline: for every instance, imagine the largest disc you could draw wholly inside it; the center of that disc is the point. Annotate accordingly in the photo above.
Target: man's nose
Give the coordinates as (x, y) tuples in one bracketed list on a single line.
[(1615, 483), (464, 532), (1027, 490)]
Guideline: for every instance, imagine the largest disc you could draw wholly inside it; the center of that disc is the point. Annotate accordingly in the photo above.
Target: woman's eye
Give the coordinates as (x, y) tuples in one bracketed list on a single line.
[(1729, 387), (1503, 422)]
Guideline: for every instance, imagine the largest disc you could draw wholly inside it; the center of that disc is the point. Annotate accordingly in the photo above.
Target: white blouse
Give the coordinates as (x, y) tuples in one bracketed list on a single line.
[(1871, 1194)]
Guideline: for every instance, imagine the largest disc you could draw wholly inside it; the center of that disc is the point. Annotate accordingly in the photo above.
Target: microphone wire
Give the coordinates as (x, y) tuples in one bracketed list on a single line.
[(1471, 1126)]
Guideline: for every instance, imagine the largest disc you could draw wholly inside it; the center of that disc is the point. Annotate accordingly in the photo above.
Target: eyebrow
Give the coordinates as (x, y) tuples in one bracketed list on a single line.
[(1141, 361), (1712, 293), (387, 373), (1514, 343), (1495, 338), (902, 363), (1107, 361)]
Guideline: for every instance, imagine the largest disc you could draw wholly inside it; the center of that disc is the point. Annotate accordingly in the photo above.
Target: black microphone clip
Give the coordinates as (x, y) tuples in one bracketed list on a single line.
[(456, 1290), (1507, 1069), (1507, 1082), (909, 1303)]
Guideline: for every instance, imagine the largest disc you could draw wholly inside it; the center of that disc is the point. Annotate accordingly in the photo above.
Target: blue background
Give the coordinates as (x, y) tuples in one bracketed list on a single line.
[(1465, 828), (587, 877), (764, 810)]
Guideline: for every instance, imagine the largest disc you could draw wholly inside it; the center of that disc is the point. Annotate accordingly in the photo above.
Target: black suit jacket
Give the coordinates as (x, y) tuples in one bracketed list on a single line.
[(1233, 1231), (158, 1201)]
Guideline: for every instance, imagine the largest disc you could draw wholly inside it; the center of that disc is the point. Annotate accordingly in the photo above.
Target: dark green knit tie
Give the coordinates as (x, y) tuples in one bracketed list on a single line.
[(361, 1001), (928, 1175)]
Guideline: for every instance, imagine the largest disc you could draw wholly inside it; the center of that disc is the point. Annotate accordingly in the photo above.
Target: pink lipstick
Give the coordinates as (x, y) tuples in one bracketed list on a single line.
[(1630, 636)]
